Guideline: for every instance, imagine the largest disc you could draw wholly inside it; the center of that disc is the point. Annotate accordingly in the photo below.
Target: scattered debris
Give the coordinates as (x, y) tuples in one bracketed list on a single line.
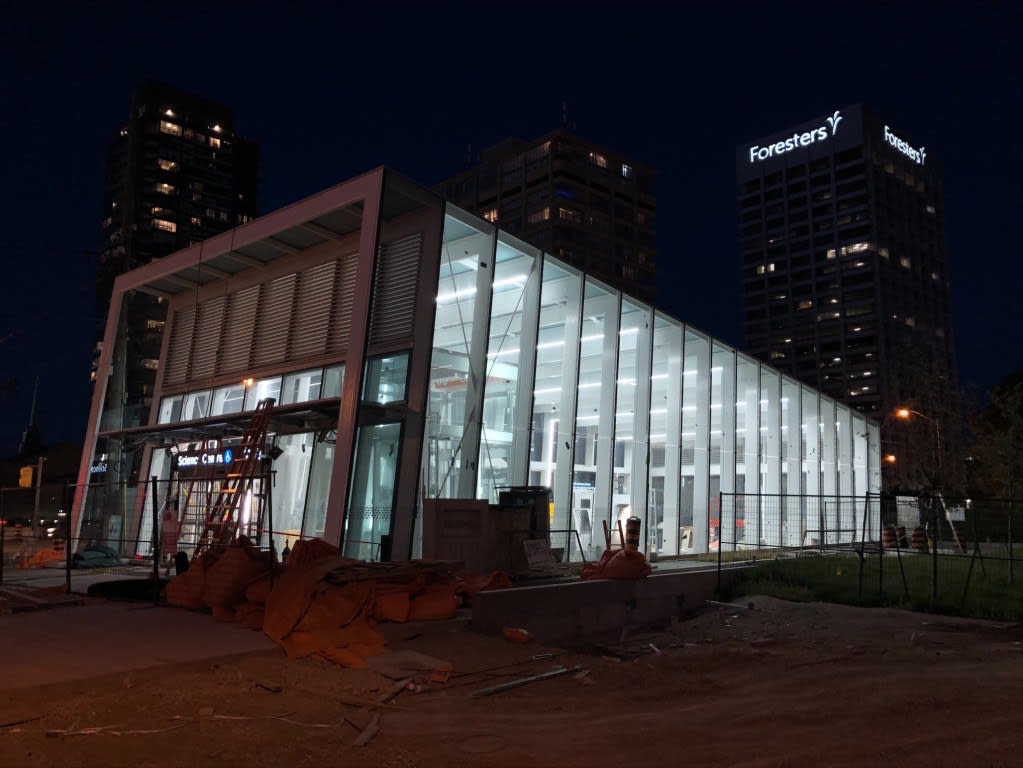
[(523, 681), (733, 606), (369, 731)]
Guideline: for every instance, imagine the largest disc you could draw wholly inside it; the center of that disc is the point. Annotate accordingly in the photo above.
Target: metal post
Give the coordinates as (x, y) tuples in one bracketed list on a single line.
[(3, 532), (39, 487), (1010, 541), (156, 540), (934, 550), (68, 498)]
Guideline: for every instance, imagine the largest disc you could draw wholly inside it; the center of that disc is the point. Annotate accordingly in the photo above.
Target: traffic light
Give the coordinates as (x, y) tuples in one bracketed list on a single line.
[(25, 478)]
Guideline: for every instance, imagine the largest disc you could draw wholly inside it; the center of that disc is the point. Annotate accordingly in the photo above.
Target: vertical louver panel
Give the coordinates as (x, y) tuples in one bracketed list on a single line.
[(239, 327), (204, 354), (344, 298), (179, 349), (273, 323), (312, 311), (394, 290)]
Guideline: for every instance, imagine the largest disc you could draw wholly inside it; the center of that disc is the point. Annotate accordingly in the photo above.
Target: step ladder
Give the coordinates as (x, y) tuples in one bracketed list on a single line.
[(221, 516)]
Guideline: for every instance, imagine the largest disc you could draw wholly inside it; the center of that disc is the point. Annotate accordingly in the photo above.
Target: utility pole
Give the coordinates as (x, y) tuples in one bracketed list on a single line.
[(39, 487)]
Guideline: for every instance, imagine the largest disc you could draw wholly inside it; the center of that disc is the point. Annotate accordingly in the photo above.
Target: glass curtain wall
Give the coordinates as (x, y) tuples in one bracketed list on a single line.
[(456, 375), (665, 428), (554, 399), (597, 485), (538, 368), (511, 351)]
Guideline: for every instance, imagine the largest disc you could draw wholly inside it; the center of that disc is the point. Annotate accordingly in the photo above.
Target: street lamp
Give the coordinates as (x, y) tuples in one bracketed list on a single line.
[(906, 414)]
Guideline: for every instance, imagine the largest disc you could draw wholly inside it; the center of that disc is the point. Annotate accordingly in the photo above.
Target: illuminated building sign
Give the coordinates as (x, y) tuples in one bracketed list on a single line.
[(917, 155), (192, 456), (800, 139)]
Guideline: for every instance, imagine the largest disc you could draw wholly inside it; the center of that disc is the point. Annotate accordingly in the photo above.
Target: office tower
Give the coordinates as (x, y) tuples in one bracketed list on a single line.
[(587, 205), (844, 265), (176, 174)]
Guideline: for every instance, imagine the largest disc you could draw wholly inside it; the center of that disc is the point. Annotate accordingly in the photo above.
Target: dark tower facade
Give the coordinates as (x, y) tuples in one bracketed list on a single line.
[(845, 269), (582, 203), (177, 174)]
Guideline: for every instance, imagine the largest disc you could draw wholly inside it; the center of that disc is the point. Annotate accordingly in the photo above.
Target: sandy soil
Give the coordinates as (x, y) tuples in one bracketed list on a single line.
[(767, 684)]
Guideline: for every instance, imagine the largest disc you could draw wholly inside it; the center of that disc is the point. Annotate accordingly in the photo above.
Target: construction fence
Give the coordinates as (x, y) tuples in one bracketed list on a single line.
[(139, 527), (928, 551)]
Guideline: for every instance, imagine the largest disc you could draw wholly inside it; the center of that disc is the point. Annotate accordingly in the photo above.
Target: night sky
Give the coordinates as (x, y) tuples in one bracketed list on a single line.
[(330, 93)]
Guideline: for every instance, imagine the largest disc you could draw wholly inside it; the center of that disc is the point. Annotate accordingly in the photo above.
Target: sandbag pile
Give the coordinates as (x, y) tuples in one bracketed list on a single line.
[(218, 580), (322, 604)]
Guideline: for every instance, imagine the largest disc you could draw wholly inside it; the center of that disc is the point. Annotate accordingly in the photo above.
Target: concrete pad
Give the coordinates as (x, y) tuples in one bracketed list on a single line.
[(102, 637)]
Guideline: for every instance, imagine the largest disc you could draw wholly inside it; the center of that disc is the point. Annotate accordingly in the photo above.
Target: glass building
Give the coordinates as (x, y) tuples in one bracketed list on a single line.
[(416, 351)]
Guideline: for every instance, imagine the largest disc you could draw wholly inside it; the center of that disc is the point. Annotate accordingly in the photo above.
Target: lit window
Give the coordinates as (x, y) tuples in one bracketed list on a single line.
[(165, 189), (217, 128), (214, 142), (540, 216), (567, 214), (490, 215), (904, 261), (158, 211), (805, 304), (166, 226), (831, 253), (196, 221), (930, 209), (910, 321), (171, 128), (151, 364), (167, 165), (169, 112), (598, 160), (154, 325), (626, 171), (934, 276), (884, 253)]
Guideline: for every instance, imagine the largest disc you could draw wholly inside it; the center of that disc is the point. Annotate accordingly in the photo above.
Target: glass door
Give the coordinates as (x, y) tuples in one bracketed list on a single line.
[(368, 519)]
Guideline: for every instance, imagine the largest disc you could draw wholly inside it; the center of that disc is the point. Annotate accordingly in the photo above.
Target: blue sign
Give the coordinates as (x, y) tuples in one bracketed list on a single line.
[(228, 455)]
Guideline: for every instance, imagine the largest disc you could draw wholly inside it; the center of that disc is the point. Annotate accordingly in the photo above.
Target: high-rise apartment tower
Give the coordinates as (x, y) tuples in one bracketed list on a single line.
[(582, 203), (176, 174)]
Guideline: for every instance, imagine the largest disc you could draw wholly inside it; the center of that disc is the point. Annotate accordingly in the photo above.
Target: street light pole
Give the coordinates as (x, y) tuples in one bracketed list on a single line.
[(905, 414)]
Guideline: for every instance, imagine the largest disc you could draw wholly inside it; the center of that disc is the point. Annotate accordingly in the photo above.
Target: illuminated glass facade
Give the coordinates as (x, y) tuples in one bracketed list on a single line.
[(416, 351)]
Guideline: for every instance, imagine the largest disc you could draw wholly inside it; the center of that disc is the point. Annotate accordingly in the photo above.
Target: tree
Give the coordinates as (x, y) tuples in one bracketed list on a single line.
[(998, 440)]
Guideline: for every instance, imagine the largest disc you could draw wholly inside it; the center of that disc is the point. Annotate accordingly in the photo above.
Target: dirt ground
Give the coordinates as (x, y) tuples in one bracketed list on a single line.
[(769, 683)]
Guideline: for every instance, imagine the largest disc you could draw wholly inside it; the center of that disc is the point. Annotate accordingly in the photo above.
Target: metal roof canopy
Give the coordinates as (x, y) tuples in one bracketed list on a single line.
[(293, 419), (331, 215)]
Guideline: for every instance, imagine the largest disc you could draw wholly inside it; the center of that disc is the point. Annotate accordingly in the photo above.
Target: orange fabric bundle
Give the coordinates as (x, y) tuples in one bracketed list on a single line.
[(185, 590), (228, 577), (392, 605), (437, 603), (332, 606), (474, 583), (308, 550), (618, 564)]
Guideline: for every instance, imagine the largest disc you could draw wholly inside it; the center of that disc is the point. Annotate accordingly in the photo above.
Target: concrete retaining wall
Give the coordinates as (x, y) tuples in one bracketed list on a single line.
[(565, 611)]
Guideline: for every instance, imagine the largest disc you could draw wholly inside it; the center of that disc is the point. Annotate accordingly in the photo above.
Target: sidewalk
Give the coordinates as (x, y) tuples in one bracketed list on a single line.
[(98, 637)]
